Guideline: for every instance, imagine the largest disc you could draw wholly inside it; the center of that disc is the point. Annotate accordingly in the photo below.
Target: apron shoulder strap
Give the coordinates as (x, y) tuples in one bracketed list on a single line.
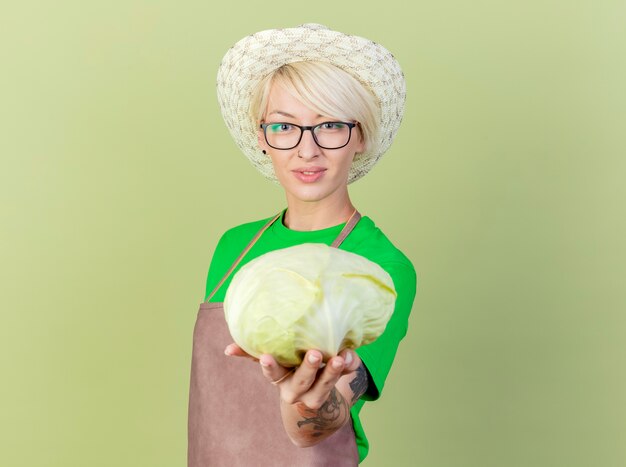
[(354, 218), (242, 254)]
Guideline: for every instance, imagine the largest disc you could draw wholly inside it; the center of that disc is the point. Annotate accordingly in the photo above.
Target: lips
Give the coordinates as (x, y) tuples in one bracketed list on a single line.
[(309, 174)]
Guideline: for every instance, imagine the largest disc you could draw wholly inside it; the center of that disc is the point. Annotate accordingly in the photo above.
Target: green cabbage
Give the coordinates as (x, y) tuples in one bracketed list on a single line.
[(309, 296)]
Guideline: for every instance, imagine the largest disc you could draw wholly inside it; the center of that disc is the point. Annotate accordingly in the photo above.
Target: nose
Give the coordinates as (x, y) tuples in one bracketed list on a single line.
[(308, 148)]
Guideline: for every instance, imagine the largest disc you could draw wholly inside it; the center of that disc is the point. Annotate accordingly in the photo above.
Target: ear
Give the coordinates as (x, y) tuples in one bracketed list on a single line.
[(361, 144)]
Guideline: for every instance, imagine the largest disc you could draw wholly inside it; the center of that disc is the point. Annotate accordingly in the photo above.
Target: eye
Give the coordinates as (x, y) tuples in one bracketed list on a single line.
[(280, 127), (333, 126)]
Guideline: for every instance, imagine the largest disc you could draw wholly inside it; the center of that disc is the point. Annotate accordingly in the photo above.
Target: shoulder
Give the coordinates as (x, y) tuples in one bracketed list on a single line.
[(372, 243), (242, 233)]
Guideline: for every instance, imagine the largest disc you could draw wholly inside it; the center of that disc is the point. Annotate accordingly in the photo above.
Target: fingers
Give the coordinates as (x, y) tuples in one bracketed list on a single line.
[(233, 350), (351, 359), (303, 378), (272, 371), (318, 393), (346, 362)]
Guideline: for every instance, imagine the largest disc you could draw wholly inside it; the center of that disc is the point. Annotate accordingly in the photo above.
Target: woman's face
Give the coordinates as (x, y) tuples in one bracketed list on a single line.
[(307, 172)]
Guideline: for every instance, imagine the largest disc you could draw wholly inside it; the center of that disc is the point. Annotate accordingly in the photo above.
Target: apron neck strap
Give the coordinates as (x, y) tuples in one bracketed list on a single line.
[(243, 253), (354, 218)]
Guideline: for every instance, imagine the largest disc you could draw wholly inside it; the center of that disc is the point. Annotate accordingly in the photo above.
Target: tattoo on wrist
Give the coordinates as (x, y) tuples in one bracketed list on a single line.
[(331, 414), (359, 383)]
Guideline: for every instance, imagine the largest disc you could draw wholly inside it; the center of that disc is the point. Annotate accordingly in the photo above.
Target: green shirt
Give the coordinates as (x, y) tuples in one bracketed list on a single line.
[(366, 240)]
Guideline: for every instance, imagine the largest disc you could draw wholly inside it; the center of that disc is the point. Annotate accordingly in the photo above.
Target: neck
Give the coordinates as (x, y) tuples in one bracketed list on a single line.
[(314, 216)]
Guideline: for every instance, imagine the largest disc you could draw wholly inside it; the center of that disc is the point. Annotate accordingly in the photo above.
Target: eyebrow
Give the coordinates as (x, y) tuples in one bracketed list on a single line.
[(285, 114)]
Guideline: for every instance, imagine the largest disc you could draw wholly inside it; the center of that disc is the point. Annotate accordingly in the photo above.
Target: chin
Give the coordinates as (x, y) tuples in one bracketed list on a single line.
[(308, 194)]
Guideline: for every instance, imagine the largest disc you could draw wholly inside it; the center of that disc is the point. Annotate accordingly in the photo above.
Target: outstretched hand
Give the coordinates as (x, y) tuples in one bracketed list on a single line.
[(311, 382)]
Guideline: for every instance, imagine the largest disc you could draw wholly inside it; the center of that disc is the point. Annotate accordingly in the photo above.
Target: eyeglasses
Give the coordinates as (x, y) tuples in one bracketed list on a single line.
[(327, 135)]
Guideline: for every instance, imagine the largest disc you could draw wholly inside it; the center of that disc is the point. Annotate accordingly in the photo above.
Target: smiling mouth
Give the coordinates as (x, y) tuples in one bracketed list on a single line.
[(310, 171), (309, 174)]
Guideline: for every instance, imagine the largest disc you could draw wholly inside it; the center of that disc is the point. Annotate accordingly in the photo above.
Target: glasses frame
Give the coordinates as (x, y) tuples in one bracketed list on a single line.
[(350, 125)]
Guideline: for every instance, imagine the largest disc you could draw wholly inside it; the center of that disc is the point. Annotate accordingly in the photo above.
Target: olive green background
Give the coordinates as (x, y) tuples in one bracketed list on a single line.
[(505, 187)]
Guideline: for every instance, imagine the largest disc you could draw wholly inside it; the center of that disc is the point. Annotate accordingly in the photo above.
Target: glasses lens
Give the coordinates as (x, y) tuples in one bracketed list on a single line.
[(332, 134), (282, 135)]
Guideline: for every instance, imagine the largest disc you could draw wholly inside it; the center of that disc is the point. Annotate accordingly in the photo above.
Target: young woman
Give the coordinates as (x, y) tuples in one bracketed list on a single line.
[(314, 110)]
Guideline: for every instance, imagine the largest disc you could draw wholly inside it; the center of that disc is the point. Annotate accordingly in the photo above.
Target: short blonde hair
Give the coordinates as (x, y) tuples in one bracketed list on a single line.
[(325, 89)]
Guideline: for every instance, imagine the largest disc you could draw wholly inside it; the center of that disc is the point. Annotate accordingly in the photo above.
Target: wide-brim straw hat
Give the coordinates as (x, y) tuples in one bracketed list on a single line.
[(255, 56)]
